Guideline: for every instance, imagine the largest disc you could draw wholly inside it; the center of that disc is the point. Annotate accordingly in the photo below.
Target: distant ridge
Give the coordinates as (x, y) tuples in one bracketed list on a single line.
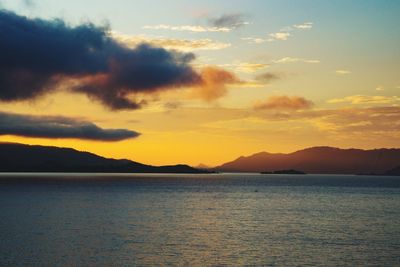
[(32, 158), (322, 160)]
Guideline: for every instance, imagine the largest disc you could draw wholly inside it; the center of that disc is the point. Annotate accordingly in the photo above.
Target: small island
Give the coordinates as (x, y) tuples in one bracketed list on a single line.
[(291, 171)]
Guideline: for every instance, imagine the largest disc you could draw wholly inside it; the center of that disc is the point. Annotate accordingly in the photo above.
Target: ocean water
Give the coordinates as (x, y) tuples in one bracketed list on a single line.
[(199, 220)]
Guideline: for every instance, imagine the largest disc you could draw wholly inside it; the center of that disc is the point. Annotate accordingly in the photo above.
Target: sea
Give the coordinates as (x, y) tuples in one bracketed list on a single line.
[(225, 219)]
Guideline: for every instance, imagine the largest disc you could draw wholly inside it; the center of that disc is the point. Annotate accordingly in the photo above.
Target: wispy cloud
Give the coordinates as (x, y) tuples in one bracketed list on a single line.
[(223, 23), (170, 43), (365, 99), (254, 40), (230, 21), (191, 28), (342, 72), (295, 59), (378, 122), (246, 67), (342, 123), (287, 31), (278, 36), (380, 88), (284, 103), (303, 26)]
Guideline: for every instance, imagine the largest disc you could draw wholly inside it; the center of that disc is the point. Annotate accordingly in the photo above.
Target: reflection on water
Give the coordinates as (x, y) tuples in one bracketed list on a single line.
[(127, 220)]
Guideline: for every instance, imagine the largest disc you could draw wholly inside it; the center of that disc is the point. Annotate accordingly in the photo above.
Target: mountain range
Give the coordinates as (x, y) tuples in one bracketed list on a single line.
[(320, 160), (32, 158), (315, 160)]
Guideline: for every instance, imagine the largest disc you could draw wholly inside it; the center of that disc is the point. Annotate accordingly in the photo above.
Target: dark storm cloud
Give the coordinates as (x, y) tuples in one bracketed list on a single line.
[(37, 55), (231, 21), (58, 127), (145, 69)]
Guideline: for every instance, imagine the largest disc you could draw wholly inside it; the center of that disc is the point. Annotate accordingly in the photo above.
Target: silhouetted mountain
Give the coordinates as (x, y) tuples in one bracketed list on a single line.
[(27, 158), (327, 160)]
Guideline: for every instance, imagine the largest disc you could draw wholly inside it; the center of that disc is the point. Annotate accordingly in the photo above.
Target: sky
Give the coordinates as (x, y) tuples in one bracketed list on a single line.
[(167, 82)]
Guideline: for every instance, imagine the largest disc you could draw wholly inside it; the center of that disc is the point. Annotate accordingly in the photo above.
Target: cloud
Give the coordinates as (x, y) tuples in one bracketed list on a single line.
[(359, 123), (267, 77), (378, 122), (296, 59), (249, 84), (284, 103), (365, 99), (145, 70), (380, 88), (282, 35), (285, 33), (304, 26), (58, 127), (342, 72), (278, 36), (190, 28), (224, 23), (251, 67), (213, 83), (230, 21), (39, 56), (246, 67), (254, 40), (184, 45), (354, 123)]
